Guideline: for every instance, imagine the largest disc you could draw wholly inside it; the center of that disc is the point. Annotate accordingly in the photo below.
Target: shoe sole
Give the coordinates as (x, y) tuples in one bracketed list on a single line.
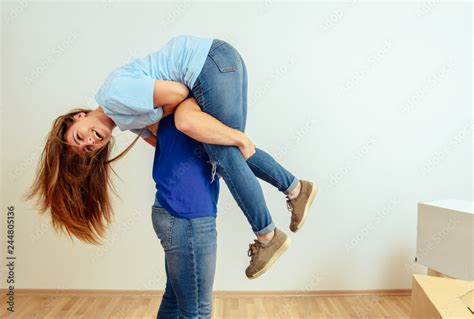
[(275, 256), (314, 191)]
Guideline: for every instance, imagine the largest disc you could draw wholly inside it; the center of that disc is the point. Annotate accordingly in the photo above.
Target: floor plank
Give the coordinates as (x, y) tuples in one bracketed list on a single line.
[(227, 307)]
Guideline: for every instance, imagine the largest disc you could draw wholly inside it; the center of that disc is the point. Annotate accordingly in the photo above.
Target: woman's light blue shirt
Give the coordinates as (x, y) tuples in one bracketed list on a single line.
[(126, 95)]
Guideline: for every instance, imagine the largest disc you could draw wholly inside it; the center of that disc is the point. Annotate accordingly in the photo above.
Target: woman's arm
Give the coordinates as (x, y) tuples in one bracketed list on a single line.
[(154, 132), (168, 94), (154, 128), (205, 128), (151, 140)]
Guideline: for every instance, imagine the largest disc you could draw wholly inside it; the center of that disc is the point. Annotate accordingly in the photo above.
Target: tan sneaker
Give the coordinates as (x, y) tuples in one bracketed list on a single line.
[(299, 206), (263, 256)]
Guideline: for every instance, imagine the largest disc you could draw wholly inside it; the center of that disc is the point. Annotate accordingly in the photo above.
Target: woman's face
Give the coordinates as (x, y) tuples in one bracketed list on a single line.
[(87, 133)]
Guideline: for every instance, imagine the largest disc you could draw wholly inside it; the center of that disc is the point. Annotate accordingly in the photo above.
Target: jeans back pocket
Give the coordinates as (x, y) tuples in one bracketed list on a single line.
[(225, 57), (163, 225)]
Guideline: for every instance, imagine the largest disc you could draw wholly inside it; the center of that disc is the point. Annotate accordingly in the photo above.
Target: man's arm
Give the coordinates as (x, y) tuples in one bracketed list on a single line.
[(205, 128)]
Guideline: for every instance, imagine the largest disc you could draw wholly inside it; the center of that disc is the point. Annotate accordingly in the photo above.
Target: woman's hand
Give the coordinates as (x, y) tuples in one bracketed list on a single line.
[(151, 140), (246, 146), (154, 128)]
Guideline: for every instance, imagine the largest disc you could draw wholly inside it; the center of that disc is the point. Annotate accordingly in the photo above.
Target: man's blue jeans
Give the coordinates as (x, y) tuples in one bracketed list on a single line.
[(190, 247), (221, 91)]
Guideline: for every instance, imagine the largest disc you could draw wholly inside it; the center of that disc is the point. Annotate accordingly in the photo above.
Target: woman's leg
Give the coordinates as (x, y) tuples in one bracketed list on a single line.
[(262, 164), (265, 167), (221, 91), (190, 248)]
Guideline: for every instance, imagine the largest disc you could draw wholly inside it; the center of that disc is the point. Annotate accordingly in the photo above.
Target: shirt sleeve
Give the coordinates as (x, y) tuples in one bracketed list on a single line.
[(127, 97)]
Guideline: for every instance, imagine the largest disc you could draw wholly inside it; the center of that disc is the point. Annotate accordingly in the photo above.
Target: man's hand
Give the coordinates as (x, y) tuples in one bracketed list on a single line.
[(192, 121), (246, 146)]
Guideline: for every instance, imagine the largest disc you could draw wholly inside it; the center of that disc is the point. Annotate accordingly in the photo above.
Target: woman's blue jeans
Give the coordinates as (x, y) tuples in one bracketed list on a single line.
[(221, 91), (190, 247)]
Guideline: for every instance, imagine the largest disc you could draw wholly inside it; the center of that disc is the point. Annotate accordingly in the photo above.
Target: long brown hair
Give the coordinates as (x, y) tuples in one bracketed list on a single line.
[(75, 188)]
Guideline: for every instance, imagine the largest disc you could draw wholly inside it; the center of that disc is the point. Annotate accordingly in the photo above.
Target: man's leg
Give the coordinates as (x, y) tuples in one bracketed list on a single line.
[(169, 304), (204, 241), (162, 224), (192, 261)]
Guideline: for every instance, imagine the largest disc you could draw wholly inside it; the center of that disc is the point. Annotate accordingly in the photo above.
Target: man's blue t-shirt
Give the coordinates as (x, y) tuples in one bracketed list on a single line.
[(182, 174)]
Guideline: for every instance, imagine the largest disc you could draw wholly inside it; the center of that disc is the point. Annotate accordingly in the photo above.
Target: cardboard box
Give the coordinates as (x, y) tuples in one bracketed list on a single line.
[(445, 237), (435, 297)]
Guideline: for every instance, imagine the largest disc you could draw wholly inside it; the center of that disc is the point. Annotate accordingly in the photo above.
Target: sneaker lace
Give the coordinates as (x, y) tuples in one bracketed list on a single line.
[(253, 249), (289, 205)]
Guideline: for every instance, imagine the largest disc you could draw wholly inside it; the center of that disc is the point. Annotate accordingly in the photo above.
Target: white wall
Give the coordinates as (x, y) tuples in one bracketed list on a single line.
[(371, 101)]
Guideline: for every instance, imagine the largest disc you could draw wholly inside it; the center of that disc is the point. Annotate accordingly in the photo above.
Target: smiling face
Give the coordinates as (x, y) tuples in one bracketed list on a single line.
[(87, 133)]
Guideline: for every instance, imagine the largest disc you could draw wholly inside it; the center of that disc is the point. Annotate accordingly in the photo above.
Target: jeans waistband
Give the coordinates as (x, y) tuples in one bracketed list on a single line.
[(216, 43), (157, 203)]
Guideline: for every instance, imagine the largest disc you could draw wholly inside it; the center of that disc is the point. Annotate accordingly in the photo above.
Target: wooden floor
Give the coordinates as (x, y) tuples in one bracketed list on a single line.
[(226, 307)]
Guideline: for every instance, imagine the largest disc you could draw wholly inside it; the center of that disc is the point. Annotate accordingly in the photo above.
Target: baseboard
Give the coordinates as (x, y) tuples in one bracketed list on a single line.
[(216, 293)]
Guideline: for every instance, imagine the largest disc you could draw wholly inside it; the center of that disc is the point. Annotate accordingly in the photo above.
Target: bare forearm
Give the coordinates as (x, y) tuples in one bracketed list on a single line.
[(203, 127), (207, 129)]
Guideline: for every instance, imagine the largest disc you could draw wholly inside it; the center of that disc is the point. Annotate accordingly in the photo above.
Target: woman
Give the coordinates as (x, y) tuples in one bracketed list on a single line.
[(184, 219), (137, 95)]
